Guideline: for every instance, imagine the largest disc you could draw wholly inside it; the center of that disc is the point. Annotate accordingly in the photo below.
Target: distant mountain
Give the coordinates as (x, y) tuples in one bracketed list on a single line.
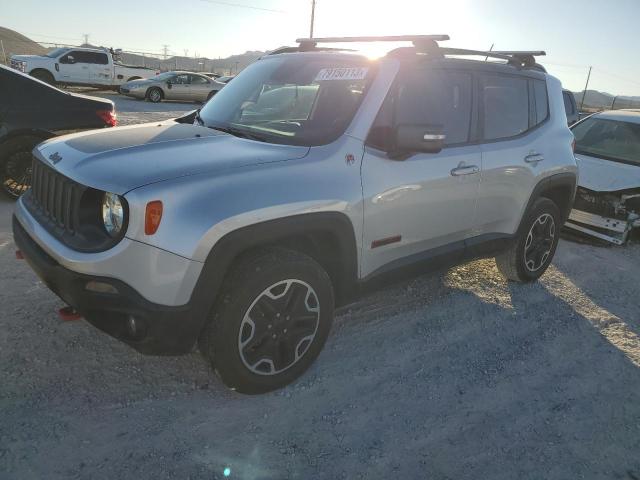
[(14, 43), (602, 100), (223, 66)]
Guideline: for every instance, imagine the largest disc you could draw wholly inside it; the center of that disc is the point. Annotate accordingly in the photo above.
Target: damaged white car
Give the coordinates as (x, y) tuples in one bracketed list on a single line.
[(607, 204)]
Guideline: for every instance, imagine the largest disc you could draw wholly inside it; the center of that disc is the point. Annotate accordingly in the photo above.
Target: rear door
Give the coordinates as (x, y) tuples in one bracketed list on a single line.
[(99, 68), (423, 204), (200, 87), (513, 111), (179, 88)]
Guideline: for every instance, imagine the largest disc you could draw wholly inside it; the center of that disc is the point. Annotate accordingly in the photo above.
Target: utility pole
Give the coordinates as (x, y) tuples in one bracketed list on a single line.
[(3, 52), (237, 67), (584, 94), (165, 50), (612, 103), (313, 15), (86, 38)]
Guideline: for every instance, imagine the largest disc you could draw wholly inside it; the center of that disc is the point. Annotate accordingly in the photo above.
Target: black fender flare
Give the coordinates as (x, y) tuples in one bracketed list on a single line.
[(271, 232), (557, 180)]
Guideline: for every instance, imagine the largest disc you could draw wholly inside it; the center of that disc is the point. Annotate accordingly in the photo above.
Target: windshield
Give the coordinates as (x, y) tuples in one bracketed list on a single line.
[(56, 52), (292, 100), (609, 139)]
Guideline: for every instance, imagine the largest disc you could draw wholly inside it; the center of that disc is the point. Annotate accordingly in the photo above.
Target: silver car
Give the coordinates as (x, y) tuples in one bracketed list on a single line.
[(313, 176), (184, 86)]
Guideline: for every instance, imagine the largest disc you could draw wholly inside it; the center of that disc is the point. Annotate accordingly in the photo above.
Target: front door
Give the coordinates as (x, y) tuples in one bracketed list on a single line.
[(179, 88), (424, 202), (73, 67)]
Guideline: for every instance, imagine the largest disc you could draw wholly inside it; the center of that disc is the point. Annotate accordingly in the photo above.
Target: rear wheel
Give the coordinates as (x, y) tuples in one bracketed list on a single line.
[(532, 253), (154, 95), (271, 320), (15, 165)]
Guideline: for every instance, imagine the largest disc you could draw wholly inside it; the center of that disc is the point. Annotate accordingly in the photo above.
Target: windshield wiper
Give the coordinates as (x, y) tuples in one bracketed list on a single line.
[(237, 132)]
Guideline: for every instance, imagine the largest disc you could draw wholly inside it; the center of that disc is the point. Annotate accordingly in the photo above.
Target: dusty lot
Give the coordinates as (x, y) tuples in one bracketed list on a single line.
[(458, 375)]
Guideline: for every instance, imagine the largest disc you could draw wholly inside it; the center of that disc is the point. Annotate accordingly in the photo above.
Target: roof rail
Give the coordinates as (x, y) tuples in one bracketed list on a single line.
[(428, 41)]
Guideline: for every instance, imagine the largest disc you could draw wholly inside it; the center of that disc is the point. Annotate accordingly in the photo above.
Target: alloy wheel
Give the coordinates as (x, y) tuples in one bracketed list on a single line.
[(279, 327), (539, 243), (16, 174)]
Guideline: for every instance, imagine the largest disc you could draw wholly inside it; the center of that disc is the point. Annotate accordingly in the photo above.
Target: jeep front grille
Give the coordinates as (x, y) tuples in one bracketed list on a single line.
[(54, 198)]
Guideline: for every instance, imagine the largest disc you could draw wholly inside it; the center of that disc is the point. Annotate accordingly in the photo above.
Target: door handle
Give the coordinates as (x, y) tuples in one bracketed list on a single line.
[(465, 170), (533, 158)]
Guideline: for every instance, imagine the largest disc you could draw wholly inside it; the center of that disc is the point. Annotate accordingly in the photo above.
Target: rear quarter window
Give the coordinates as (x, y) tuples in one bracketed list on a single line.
[(504, 106), (541, 100)]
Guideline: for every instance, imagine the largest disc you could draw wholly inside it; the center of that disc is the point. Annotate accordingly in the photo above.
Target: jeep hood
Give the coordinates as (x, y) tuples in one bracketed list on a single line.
[(600, 175), (121, 159)]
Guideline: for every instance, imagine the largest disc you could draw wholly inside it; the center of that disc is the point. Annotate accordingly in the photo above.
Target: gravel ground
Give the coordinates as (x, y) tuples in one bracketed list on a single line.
[(457, 375)]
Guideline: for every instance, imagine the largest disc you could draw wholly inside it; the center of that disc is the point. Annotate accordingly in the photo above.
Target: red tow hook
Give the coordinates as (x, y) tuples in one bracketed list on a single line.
[(69, 314), (19, 255)]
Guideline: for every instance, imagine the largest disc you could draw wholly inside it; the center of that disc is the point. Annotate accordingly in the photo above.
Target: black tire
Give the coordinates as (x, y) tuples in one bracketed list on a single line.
[(253, 355), (155, 95), (44, 76), (537, 239), (15, 164)]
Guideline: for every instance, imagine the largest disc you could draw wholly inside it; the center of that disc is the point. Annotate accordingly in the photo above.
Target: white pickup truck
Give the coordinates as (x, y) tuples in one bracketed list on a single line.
[(80, 66)]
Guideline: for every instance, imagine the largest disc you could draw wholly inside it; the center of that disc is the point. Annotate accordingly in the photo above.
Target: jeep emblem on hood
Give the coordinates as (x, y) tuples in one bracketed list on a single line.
[(55, 158)]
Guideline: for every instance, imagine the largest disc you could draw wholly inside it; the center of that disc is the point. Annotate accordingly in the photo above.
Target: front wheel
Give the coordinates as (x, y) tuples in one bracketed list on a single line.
[(271, 320), (154, 95), (15, 165), (531, 254)]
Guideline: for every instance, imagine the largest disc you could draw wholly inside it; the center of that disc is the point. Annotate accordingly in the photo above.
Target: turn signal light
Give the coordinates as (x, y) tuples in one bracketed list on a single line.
[(152, 217)]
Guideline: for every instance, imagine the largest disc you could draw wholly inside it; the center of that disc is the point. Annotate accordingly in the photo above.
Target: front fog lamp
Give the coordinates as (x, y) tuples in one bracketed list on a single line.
[(112, 214)]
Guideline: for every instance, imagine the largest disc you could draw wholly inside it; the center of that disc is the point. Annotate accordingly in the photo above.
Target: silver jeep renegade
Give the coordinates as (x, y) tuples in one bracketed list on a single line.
[(315, 175)]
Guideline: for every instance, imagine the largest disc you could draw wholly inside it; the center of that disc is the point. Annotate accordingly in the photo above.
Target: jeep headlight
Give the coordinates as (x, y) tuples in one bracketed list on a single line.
[(112, 213)]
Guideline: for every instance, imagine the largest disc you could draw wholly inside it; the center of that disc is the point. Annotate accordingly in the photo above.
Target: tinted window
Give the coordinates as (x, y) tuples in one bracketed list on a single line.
[(426, 98), (505, 106), (568, 104), (610, 139), (541, 100)]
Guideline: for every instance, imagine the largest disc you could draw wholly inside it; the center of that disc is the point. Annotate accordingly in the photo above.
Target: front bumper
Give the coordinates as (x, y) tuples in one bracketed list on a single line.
[(160, 329)]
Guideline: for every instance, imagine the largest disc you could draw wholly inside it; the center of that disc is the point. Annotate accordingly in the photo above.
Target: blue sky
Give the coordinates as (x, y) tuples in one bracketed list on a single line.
[(575, 33)]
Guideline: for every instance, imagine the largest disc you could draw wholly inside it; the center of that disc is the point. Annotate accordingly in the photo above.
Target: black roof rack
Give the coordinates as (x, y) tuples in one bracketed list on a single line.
[(426, 44)]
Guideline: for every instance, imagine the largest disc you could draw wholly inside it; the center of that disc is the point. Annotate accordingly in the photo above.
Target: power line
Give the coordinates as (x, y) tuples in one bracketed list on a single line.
[(239, 5)]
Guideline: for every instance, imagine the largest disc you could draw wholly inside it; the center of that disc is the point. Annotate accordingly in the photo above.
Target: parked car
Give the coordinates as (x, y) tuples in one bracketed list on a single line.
[(32, 111), (79, 66), (186, 86), (240, 230), (570, 107), (607, 204)]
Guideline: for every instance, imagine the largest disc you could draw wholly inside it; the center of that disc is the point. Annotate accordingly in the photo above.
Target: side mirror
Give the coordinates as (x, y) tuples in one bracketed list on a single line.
[(69, 59), (417, 138)]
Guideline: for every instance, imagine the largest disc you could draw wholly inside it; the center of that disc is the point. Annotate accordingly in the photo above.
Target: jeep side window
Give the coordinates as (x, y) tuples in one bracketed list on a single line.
[(426, 97), (504, 106), (541, 100)]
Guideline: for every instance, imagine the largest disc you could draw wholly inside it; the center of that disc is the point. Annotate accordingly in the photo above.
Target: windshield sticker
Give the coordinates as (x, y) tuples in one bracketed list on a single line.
[(353, 73)]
